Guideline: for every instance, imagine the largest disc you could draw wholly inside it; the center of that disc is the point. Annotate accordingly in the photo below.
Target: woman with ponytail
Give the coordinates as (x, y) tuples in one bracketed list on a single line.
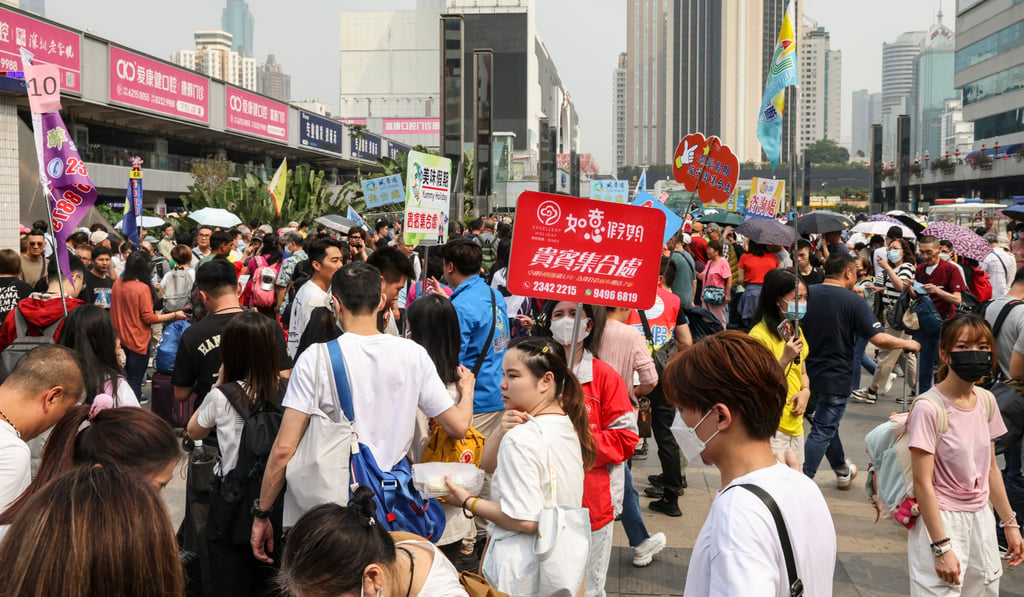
[(545, 423), (343, 550)]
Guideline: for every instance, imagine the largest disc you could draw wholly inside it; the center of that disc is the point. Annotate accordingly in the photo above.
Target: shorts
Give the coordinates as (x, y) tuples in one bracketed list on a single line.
[(783, 441)]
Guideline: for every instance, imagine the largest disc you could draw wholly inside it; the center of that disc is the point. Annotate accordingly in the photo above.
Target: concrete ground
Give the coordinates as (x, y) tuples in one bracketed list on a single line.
[(871, 558)]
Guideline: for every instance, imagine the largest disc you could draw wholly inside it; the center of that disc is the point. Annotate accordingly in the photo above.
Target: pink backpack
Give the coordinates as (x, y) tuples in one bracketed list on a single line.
[(261, 285)]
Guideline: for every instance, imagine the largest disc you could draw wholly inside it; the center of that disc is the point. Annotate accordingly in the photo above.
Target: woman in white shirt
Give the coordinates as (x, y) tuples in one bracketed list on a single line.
[(545, 422), (250, 375), (343, 550)]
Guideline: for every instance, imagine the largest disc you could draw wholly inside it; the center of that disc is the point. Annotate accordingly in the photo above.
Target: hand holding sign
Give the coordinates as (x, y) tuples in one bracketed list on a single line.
[(41, 81)]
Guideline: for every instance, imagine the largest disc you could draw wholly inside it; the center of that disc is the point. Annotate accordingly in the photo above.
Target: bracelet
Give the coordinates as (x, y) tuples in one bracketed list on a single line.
[(1009, 522), (940, 542), (467, 513), (472, 507)]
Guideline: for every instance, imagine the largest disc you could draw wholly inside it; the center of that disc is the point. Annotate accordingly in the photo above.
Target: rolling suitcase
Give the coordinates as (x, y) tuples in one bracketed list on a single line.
[(166, 407)]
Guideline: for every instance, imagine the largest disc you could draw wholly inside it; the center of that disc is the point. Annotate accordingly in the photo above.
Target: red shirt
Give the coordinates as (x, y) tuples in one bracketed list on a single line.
[(755, 268), (699, 248), (947, 277), (663, 317)]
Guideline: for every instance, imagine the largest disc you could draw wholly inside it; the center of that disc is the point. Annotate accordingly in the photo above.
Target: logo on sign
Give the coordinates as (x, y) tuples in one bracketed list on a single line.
[(371, 186), (549, 213), (55, 168)]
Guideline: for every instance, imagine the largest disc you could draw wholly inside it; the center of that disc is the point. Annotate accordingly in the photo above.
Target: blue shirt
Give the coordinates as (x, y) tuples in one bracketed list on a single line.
[(472, 302), (835, 318)]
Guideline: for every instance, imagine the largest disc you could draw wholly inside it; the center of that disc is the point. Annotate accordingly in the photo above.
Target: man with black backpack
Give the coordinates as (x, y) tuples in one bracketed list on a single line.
[(42, 313)]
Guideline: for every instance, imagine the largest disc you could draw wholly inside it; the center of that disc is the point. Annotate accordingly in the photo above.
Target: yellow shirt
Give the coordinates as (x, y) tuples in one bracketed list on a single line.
[(790, 424)]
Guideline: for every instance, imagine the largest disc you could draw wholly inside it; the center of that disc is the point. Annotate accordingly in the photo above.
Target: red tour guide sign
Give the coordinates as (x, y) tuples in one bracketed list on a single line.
[(572, 249)]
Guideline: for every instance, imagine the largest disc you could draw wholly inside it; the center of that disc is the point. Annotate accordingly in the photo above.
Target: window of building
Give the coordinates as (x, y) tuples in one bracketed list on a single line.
[(993, 85)]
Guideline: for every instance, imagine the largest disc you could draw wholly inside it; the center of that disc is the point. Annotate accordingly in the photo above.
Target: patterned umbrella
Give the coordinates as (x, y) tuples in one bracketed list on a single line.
[(767, 231), (885, 218), (965, 242)]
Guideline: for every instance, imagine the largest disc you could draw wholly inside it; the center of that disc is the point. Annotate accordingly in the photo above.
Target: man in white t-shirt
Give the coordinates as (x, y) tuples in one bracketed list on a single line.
[(325, 257), (46, 382), (1000, 265), (390, 378), (728, 415)]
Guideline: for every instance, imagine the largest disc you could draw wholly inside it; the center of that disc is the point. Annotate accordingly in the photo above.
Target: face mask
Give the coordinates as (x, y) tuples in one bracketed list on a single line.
[(945, 256), (971, 365), (561, 329), (691, 445), (795, 310), (285, 254), (895, 255)]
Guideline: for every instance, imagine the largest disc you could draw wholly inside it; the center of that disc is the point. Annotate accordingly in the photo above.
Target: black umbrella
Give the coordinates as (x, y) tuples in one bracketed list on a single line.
[(767, 231), (821, 221), (910, 221)]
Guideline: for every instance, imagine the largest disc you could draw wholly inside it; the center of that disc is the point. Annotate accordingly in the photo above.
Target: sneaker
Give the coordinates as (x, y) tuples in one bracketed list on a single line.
[(645, 552), (844, 482), (666, 506), (864, 395), (654, 480), (655, 491), (640, 453), (902, 400), (888, 384)]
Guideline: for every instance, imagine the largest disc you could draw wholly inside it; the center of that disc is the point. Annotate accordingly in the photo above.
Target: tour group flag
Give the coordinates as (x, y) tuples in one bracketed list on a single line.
[(133, 203), (278, 185), (62, 173), (781, 74), (641, 183)]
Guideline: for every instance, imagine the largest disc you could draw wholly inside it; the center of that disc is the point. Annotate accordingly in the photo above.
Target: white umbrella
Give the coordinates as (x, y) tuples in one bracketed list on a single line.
[(880, 227), (215, 216), (147, 222)]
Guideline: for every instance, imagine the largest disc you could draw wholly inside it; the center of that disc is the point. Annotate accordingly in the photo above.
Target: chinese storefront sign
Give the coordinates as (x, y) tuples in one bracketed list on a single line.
[(766, 197), (383, 191), (256, 115), (48, 44), (706, 166), (143, 83), (428, 190), (572, 249), (616, 191), (321, 133)]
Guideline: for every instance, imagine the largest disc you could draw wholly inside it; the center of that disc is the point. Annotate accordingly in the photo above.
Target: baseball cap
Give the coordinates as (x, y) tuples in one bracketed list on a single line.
[(267, 278), (97, 237)]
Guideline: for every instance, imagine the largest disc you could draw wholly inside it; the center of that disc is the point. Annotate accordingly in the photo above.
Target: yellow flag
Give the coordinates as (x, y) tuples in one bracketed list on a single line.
[(278, 185)]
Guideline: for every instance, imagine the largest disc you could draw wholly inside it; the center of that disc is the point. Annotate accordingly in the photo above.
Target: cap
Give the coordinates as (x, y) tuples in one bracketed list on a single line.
[(267, 278), (97, 237), (267, 229), (685, 238)]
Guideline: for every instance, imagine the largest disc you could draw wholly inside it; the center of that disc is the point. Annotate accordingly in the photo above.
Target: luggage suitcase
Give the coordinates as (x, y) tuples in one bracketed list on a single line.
[(166, 407)]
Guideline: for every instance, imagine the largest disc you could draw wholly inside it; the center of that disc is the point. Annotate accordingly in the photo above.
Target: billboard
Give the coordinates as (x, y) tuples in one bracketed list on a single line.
[(48, 44), (412, 126), (256, 115), (366, 146), (616, 191), (151, 85), (318, 132)]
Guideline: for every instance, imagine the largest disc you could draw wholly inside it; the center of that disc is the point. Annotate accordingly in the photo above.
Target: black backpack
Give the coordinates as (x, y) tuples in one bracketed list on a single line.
[(302, 273), (230, 518), (702, 322)]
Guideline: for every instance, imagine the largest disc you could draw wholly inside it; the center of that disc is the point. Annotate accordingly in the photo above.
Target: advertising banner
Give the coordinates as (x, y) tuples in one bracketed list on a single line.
[(256, 115), (144, 83), (428, 190), (616, 191), (321, 133), (394, 147), (412, 126), (383, 191), (706, 166), (48, 44), (572, 249), (366, 146), (672, 222), (766, 197)]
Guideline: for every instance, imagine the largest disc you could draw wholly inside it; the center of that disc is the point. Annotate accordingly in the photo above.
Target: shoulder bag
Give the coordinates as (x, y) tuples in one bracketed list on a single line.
[(712, 295), (796, 586)]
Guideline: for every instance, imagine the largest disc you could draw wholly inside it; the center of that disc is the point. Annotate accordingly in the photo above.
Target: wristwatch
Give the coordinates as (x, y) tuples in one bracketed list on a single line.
[(256, 512), (938, 550)]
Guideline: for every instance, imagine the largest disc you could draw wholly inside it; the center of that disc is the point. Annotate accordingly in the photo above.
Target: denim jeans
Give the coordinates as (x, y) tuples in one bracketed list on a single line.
[(926, 360), (632, 521), (823, 440), (861, 359), (135, 370)]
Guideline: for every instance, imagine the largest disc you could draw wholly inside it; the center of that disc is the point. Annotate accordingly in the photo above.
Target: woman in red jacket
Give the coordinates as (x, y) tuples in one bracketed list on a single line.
[(613, 425)]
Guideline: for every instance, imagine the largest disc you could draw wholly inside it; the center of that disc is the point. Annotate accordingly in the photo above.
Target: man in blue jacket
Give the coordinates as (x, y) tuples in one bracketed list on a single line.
[(483, 323)]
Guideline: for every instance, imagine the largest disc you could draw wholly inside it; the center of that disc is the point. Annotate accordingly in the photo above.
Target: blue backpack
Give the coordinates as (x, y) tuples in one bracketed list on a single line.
[(400, 507), (167, 350)]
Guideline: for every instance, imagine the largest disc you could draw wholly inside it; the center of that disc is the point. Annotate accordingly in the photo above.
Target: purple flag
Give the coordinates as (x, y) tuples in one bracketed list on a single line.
[(67, 182)]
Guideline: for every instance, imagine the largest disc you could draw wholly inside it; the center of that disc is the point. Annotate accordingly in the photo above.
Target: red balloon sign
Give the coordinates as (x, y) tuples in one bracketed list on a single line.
[(707, 166)]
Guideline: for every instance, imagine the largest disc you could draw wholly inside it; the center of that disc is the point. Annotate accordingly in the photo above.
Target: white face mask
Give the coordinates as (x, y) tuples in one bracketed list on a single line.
[(945, 256), (561, 329), (691, 445)]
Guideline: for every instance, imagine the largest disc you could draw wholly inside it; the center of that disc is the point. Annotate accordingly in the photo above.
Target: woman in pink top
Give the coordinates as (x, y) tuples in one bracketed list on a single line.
[(717, 274), (954, 551)]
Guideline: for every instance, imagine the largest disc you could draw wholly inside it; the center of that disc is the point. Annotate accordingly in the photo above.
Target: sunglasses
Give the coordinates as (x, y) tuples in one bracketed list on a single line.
[(35, 244)]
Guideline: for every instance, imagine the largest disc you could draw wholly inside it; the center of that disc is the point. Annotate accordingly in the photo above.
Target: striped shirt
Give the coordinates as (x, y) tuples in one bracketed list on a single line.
[(905, 272)]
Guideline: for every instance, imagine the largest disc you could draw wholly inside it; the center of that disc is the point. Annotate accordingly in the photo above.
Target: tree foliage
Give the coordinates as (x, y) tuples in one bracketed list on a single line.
[(827, 151)]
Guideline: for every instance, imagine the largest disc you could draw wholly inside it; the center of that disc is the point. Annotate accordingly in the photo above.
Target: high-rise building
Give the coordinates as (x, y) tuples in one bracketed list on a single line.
[(898, 60), (273, 81), (214, 57), (619, 112), (957, 134), (237, 20), (695, 69), (648, 49), (933, 86), (742, 80), (820, 70), (34, 6), (866, 110), (989, 68)]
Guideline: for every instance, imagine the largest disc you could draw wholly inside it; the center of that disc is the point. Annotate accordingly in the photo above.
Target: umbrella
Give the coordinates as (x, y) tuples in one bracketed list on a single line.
[(767, 231), (147, 222), (821, 221), (881, 227), (1015, 212), (215, 216), (909, 220), (965, 242), (339, 223), (725, 218)]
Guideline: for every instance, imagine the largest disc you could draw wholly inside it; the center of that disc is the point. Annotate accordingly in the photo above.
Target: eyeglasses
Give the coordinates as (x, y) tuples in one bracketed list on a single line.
[(35, 244)]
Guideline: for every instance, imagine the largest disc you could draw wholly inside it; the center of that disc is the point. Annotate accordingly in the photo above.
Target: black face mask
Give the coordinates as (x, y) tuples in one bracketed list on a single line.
[(971, 365)]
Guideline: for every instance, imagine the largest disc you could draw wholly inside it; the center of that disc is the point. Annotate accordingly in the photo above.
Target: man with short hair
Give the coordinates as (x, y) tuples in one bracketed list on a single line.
[(943, 283), (947, 253), (383, 420), (99, 282), (202, 248), (698, 245), (474, 229), (836, 316), (1000, 265), (220, 246), (33, 263), (198, 361), (43, 309), (808, 273), (85, 254), (325, 257), (167, 242), (292, 242), (834, 244), (45, 384), (396, 269)]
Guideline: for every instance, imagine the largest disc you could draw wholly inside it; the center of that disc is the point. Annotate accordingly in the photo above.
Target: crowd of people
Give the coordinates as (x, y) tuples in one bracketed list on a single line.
[(308, 365)]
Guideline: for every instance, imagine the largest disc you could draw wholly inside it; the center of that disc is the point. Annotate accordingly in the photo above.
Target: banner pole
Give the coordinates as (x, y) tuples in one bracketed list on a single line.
[(60, 282), (575, 332)]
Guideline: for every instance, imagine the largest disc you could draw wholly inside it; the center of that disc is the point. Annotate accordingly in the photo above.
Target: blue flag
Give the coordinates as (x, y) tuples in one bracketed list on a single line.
[(133, 206), (781, 74)]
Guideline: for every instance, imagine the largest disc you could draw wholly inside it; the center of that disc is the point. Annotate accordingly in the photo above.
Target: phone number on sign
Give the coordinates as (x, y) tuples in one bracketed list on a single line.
[(615, 295), (549, 287)]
